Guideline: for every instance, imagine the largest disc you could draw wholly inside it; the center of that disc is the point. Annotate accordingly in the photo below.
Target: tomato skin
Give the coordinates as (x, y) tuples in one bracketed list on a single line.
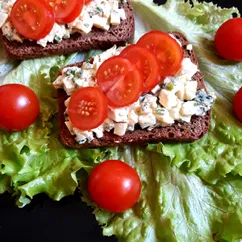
[(166, 49), (114, 186), (228, 39), (237, 104), (19, 107), (88, 108), (146, 62), (129, 92), (121, 81), (87, 1), (32, 19), (66, 11)]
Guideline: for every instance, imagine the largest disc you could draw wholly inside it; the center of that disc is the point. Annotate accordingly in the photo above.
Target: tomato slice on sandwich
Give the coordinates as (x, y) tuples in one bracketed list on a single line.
[(32, 19), (66, 11), (146, 62), (121, 81), (88, 108), (166, 49)]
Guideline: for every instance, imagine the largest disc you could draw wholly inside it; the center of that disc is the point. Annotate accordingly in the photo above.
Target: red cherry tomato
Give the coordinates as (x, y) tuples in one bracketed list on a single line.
[(166, 49), (88, 108), (66, 11), (237, 104), (121, 81), (87, 1), (114, 186), (19, 107), (32, 19), (228, 39), (147, 64)]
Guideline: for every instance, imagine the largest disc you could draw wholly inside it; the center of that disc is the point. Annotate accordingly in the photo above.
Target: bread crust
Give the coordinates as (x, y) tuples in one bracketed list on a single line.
[(96, 39), (178, 132)]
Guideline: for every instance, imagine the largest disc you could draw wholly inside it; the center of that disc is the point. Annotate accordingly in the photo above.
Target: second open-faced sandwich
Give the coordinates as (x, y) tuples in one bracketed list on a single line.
[(39, 28)]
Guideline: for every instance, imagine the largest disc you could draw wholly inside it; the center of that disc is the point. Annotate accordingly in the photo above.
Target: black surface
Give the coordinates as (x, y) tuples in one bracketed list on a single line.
[(44, 220)]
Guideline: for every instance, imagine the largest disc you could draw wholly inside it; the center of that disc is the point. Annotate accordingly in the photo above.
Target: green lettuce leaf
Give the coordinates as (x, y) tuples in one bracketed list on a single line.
[(52, 172), (174, 206), (5, 185)]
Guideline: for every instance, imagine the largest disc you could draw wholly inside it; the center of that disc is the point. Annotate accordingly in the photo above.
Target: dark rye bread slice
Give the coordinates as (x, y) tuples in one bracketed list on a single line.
[(96, 39), (178, 132)]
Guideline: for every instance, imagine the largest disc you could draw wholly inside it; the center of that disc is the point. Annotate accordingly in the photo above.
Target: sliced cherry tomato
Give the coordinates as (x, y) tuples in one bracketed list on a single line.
[(32, 19), (228, 39), (19, 107), (114, 186), (88, 108), (166, 49), (237, 104), (121, 81), (146, 62), (66, 11), (87, 1)]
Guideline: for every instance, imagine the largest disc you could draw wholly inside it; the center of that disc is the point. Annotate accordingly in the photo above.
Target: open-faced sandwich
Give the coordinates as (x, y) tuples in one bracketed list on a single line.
[(31, 29), (146, 92)]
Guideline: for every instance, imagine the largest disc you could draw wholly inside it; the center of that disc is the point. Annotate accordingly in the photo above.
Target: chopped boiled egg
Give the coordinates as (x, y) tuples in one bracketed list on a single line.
[(188, 108), (188, 69), (167, 99), (69, 126), (115, 18), (175, 111), (58, 83), (186, 118), (148, 104), (133, 118), (3, 18), (69, 85), (10, 33), (108, 124), (100, 22), (156, 89), (189, 47), (119, 114), (190, 90), (120, 129), (83, 136), (57, 33), (121, 14), (98, 131), (106, 9), (84, 24), (115, 5), (165, 118), (180, 93), (146, 120)]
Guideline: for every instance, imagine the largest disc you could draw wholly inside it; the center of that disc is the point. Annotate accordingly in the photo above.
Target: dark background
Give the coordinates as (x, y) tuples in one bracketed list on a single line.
[(69, 220)]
